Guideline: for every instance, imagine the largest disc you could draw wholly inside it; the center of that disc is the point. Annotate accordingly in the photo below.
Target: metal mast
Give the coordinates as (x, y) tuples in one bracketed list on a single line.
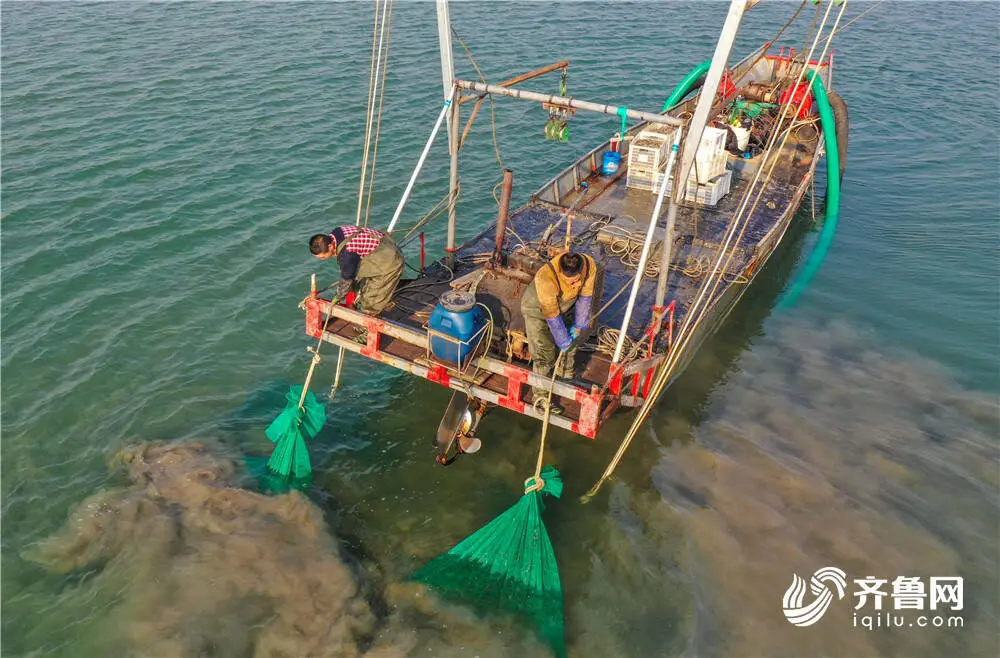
[(448, 82)]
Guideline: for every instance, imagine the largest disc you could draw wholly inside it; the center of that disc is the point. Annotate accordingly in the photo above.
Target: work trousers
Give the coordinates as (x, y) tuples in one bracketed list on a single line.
[(378, 275), (543, 348)]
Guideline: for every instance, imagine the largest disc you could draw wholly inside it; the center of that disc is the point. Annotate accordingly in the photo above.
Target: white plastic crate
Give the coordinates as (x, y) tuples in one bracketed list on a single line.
[(649, 153), (641, 177), (661, 131), (710, 160), (707, 194)]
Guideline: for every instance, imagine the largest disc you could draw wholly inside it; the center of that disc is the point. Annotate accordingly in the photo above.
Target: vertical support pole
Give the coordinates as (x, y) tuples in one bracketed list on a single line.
[(696, 128), (666, 245), (506, 188), (444, 40), (452, 179), (422, 253)]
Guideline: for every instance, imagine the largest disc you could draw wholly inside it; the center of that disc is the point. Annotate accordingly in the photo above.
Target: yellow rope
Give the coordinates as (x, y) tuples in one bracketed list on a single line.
[(378, 33), (536, 482), (379, 60), (432, 214)]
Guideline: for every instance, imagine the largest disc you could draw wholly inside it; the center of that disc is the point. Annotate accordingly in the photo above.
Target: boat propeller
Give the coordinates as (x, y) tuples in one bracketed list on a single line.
[(457, 429)]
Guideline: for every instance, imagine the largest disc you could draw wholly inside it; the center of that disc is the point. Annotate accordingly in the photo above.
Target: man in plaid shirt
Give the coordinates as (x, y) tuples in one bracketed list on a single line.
[(369, 261)]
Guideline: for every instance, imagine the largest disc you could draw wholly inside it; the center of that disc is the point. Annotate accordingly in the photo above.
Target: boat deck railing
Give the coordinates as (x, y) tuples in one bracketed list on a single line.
[(484, 377)]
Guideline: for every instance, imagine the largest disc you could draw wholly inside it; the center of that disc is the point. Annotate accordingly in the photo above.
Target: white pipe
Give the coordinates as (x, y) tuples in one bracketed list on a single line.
[(706, 99), (696, 128), (444, 41), (646, 245), (420, 163)]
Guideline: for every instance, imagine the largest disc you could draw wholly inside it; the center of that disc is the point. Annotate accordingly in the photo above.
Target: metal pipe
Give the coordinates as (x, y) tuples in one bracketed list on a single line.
[(506, 83), (665, 255), (505, 191), (444, 41), (452, 180), (568, 102), (696, 129), (524, 77), (420, 162), (641, 268)]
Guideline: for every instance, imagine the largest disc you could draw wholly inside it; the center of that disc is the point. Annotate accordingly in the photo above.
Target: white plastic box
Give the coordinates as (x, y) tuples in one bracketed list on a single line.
[(648, 153), (707, 194), (710, 161), (651, 147), (641, 177), (660, 131)]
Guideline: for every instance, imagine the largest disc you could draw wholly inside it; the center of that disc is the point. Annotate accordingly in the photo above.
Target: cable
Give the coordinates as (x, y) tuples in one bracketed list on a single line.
[(378, 122), (858, 17), (433, 214), (493, 118)]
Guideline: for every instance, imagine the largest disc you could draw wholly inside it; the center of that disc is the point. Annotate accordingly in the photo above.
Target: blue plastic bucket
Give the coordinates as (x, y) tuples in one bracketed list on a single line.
[(611, 163), (457, 317)]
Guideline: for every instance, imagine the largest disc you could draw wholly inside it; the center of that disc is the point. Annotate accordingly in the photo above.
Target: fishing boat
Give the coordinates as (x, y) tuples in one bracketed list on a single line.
[(674, 259)]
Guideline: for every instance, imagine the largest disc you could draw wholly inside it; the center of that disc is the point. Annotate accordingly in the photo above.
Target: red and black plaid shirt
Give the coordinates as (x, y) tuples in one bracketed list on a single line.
[(358, 242)]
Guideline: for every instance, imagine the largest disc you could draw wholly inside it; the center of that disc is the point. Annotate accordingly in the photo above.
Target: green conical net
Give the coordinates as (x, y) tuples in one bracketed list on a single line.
[(289, 432), (508, 566)]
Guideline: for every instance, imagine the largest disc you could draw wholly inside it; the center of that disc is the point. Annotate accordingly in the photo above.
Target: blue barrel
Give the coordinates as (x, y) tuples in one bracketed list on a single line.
[(611, 162), (457, 316)]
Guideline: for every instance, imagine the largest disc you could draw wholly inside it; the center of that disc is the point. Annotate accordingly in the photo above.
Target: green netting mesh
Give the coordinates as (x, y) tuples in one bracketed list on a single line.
[(508, 566), (289, 432)]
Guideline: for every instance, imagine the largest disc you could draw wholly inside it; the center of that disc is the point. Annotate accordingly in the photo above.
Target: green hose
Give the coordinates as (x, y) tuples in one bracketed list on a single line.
[(693, 79), (829, 124)]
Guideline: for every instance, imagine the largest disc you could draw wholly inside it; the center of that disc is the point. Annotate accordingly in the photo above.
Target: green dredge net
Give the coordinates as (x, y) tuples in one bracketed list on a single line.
[(508, 566)]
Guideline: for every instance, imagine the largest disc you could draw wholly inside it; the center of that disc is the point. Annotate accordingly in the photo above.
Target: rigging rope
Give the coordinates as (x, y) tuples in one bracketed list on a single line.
[(858, 17), (777, 36), (381, 30), (375, 77), (378, 122), (493, 118)]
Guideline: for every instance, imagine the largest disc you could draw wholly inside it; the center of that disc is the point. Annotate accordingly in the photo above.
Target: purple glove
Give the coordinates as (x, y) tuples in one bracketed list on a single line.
[(559, 333), (581, 313)]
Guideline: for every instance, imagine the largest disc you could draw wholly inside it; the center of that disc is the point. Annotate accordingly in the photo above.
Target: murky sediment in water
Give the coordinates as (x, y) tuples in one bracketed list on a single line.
[(820, 449), (189, 564), (206, 568)]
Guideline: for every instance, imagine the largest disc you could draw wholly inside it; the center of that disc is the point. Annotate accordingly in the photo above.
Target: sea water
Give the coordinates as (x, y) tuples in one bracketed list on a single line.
[(165, 163)]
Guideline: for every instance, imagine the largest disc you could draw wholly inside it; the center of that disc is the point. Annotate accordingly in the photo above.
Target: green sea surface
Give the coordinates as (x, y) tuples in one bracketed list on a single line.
[(163, 165)]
